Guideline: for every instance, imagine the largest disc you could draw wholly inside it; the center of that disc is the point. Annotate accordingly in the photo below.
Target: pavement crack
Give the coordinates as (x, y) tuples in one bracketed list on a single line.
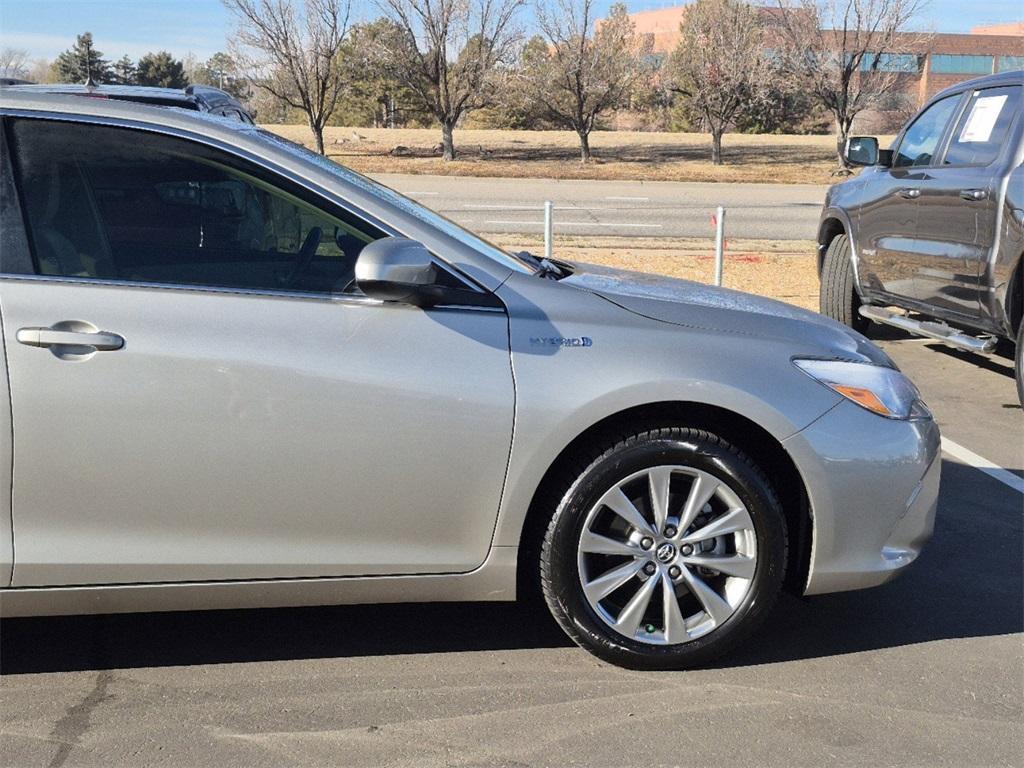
[(75, 723)]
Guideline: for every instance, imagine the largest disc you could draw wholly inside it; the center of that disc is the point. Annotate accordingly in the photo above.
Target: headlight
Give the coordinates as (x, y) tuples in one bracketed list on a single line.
[(881, 390)]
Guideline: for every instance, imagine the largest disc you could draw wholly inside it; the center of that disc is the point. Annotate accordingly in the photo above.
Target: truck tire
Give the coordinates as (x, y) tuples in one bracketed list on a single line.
[(838, 294), (1018, 359)]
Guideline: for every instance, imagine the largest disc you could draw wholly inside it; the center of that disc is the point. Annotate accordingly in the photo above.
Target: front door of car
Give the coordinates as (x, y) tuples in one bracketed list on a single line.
[(956, 223), (197, 396), (888, 214)]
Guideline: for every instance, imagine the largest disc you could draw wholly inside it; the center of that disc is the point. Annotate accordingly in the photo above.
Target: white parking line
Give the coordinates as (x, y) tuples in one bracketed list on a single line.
[(574, 223), (619, 197), (980, 462)]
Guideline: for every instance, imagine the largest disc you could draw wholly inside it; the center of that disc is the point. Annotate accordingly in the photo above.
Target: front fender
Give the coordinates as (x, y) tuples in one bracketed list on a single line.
[(627, 361)]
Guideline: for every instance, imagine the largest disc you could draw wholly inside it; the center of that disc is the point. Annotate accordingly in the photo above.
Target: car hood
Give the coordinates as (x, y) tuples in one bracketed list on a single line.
[(695, 305)]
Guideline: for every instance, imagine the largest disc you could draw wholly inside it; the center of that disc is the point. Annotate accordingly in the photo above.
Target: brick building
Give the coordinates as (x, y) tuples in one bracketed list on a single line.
[(946, 59)]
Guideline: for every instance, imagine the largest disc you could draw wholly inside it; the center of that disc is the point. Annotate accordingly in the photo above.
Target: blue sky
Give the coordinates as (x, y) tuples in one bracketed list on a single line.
[(46, 27)]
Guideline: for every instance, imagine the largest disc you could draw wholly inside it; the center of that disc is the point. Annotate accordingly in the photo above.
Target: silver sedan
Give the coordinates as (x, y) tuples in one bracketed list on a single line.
[(240, 375)]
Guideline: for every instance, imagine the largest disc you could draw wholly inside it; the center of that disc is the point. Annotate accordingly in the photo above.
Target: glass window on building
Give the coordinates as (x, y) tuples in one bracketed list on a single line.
[(1007, 63), (961, 64), (890, 62)]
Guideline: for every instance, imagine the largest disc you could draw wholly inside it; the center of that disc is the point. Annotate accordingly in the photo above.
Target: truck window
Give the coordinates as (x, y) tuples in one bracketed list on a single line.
[(922, 137), (982, 128)]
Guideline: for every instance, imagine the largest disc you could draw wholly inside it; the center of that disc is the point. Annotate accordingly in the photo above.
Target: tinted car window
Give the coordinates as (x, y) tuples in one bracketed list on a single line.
[(117, 204), (921, 140), (982, 129)]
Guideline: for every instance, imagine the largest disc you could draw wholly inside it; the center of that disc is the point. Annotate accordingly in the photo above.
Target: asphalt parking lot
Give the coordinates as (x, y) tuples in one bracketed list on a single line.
[(924, 671)]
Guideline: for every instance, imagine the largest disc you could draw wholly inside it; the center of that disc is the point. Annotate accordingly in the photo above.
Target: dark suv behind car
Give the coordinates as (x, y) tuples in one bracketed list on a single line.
[(203, 98), (929, 236)]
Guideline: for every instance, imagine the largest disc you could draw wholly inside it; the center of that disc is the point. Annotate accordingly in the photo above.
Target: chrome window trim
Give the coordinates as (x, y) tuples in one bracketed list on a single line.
[(331, 298), (242, 154)]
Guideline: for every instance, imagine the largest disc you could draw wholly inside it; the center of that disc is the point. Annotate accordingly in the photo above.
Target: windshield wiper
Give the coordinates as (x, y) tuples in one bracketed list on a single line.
[(545, 267)]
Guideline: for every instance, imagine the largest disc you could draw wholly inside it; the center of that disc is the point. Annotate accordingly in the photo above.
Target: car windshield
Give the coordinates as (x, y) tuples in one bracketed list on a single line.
[(406, 205)]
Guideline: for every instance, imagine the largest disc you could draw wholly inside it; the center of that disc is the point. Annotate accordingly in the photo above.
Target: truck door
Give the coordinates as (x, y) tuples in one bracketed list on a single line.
[(888, 216), (957, 207)]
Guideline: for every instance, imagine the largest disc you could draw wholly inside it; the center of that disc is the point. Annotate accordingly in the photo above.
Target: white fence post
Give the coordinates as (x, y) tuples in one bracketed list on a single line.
[(549, 227), (719, 243)]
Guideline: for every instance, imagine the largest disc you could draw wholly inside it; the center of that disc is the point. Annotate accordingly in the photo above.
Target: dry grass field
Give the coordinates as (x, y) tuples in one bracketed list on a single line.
[(783, 270), (554, 154)]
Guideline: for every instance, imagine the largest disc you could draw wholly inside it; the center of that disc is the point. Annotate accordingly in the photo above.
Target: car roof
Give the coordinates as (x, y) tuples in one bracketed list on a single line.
[(187, 97), (1010, 77)]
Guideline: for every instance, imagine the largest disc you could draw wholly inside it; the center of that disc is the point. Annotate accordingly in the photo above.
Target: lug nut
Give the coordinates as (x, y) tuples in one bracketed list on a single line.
[(646, 542), (686, 550), (650, 568), (670, 531), (674, 572)]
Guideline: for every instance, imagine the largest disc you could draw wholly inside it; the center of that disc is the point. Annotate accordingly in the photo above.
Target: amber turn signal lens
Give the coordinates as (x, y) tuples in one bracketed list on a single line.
[(864, 397)]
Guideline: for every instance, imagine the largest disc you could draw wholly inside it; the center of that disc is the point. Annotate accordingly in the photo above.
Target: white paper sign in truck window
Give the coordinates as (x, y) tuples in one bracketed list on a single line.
[(982, 118)]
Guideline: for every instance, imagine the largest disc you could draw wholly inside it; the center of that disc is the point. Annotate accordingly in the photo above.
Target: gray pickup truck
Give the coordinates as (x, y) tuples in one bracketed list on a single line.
[(929, 237)]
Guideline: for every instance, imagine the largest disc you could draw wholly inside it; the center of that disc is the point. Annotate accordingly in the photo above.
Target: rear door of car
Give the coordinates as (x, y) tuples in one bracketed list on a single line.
[(193, 401), (957, 208), (887, 228)]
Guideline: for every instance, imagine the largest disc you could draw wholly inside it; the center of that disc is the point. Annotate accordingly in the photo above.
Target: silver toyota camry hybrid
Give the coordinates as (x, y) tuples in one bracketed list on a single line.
[(241, 375)]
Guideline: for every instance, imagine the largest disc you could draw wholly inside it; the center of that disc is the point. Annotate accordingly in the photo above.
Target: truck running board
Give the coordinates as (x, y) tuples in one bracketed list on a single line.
[(932, 330)]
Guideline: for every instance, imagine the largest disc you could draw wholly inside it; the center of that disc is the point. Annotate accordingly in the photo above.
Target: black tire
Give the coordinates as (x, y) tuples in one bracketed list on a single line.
[(838, 298), (611, 461), (1018, 364)]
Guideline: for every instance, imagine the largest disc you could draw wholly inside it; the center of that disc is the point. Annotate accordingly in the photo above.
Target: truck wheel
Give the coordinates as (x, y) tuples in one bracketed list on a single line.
[(838, 295), (1018, 358)]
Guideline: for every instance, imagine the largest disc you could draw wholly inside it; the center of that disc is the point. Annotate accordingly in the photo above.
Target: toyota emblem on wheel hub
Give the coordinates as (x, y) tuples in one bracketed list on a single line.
[(666, 552)]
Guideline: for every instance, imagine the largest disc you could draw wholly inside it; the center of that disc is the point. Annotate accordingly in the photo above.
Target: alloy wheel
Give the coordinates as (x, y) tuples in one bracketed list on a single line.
[(667, 555)]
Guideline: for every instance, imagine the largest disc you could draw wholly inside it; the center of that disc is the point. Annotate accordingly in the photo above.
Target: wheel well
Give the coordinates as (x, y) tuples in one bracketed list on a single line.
[(745, 434), (830, 229)]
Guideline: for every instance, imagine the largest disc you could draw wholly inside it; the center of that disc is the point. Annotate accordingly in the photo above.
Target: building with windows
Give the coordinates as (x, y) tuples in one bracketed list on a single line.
[(944, 60)]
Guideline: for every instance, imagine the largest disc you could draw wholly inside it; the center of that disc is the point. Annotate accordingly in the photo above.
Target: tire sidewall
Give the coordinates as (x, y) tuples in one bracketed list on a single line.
[(838, 295), (562, 579)]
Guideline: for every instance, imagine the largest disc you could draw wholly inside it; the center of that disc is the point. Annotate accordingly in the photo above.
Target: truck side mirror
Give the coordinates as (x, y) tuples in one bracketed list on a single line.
[(861, 150)]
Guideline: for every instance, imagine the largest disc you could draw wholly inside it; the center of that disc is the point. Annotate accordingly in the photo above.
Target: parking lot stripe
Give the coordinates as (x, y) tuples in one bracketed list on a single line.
[(980, 462)]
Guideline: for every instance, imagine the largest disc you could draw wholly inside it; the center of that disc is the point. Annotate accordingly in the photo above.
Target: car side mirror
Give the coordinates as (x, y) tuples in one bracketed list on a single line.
[(861, 150), (397, 269)]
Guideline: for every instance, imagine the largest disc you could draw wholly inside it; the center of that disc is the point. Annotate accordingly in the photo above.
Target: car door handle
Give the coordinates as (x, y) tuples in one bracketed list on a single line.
[(974, 195), (101, 341), (910, 193)]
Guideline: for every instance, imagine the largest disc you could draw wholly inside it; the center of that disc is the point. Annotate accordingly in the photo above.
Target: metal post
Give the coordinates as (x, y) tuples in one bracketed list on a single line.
[(549, 227), (719, 243)]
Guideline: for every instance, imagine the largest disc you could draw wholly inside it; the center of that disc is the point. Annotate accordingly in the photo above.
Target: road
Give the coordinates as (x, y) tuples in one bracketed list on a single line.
[(633, 208), (923, 671)]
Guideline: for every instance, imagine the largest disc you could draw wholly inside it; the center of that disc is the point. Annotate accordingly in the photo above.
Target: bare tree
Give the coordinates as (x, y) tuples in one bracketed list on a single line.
[(721, 64), (13, 62), (290, 52), (842, 51), (453, 54), (587, 67)]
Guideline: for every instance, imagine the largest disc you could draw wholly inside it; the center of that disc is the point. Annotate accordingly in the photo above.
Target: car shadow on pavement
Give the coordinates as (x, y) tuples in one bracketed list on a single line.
[(967, 583)]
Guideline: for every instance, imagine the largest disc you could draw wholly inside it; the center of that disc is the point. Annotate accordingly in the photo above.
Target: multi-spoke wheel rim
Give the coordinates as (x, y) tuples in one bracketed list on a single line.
[(667, 555)]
